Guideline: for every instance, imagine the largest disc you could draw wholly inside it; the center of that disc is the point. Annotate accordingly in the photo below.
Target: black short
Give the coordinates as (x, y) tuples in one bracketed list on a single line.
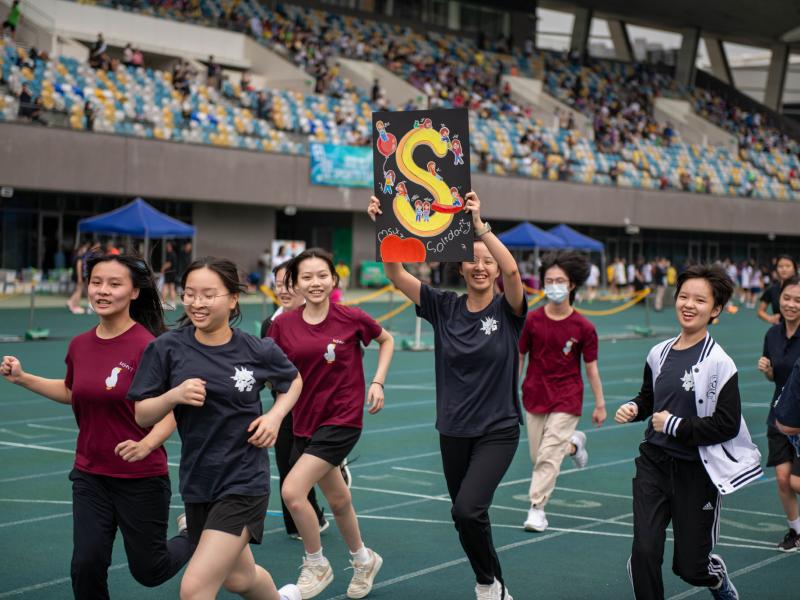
[(780, 448), (9, 25), (331, 443), (230, 514)]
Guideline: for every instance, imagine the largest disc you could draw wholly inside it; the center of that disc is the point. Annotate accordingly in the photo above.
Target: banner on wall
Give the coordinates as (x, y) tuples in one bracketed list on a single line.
[(421, 175), (341, 166)]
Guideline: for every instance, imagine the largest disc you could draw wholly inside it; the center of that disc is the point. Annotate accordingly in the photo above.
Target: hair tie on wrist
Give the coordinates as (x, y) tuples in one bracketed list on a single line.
[(379, 383)]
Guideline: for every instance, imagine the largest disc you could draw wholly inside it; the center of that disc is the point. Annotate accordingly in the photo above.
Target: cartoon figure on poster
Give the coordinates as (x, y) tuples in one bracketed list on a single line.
[(388, 181), (416, 175)]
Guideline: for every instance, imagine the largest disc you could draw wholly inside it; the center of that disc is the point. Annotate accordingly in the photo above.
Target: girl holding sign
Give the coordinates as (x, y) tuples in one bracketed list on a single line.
[(210, 375), (120, 479), (477, 404)]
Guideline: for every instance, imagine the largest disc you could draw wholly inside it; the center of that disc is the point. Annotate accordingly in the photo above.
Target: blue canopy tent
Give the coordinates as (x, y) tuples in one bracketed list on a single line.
[(526, 236), (578, 241), (137, 219), (575, 239)]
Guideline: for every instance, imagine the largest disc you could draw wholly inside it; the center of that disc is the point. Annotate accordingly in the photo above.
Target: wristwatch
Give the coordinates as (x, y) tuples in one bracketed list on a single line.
[(481, 232)]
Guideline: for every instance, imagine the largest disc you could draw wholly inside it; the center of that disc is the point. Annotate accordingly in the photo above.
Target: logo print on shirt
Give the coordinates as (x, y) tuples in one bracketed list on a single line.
[(688, 381), (488, 325), (330, 355), (243, 379), (111, 380), (568, 346)]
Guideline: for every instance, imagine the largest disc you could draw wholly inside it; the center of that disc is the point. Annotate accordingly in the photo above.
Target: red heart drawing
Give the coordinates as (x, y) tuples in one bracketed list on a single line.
[(397, 249)]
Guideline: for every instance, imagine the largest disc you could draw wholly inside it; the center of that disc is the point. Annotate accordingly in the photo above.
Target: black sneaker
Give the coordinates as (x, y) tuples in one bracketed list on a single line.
[(791, 542)]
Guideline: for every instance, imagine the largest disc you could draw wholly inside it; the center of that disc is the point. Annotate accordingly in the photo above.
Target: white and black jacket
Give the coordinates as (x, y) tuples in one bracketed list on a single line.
[(729, 456)]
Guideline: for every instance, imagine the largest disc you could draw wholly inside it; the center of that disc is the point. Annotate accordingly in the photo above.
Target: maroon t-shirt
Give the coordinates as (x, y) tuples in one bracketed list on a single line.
[(328, 356), (99, 373), (553, 380)]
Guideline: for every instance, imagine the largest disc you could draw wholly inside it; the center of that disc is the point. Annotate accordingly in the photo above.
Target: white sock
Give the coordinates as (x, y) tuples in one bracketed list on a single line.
[(482, 587), (795, 525), (315, 558), (361, 556)]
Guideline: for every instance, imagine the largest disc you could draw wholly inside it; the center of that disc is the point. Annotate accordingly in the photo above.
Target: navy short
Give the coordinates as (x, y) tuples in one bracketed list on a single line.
[(230, 514), (331, 443)]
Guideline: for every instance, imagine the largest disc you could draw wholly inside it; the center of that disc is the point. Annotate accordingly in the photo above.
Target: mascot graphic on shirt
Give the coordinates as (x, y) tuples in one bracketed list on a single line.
[(243, 379), (111, 380), (330, 355)]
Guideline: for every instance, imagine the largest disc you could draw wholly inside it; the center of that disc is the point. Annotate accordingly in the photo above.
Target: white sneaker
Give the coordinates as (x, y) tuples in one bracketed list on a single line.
[(181, 521), (581, 456), (536, 521), (491, 592), (364, 575), (314, 578), (290, 592)]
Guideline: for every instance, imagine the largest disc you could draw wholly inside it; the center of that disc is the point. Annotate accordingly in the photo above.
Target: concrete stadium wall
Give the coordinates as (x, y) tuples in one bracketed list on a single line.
[(239, 232), (49, 159)]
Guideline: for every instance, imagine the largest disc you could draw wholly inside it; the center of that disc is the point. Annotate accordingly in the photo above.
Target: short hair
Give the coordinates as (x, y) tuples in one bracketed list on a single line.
[(573, 263), (721, 285)]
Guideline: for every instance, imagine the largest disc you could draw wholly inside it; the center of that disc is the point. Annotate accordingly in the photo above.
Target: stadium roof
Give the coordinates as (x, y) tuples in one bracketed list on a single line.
[(762, 23)]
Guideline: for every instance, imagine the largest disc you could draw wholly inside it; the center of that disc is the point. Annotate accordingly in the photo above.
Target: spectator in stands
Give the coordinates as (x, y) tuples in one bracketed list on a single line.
[(127, 55), (246, 81), (138, 58), (30, 107), (706, 184), (685, 181), (12, 20), (88, 115), (483, 161), (213, 74), (98, 53), (263, 105), (376, 90)]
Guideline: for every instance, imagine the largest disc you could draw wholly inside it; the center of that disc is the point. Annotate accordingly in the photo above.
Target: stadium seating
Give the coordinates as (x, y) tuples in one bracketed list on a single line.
[(450, 69)]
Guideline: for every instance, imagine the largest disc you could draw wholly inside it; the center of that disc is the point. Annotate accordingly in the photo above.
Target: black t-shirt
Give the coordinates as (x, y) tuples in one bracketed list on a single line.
[(787, 405), (172, 259), (674, 391), (216, 459), (477, 363), (783, 353), (772, 296)]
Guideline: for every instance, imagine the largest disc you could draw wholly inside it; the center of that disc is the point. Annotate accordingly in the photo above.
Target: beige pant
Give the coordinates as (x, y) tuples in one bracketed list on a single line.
[(548, 440)]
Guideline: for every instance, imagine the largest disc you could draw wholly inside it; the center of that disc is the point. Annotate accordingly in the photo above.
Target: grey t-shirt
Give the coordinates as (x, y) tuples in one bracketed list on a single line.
[(674, 391), (477, 363)]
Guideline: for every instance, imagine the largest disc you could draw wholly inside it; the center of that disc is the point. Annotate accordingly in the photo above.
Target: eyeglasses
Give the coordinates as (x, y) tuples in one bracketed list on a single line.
[(189, 298)]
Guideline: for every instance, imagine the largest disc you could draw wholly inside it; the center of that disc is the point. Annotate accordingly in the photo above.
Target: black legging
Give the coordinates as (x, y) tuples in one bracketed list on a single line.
[(473, 468), (283, 453), (140, 509)]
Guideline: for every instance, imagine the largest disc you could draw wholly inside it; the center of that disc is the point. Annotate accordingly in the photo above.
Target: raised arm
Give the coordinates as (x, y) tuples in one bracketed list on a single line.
[(401, 279), (53, 389), (512, 282)]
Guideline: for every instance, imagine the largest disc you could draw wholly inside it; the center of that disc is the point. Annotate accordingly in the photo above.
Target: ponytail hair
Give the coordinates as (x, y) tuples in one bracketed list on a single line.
[(146, 309)]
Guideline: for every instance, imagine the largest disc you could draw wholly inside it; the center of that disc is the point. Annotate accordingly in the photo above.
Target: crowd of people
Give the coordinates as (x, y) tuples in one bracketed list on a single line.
[(750, 127), (203, 379), (619, 99)]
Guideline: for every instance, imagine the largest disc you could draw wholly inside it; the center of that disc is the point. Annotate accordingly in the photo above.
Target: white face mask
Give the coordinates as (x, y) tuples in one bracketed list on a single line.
[(556, 292)]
